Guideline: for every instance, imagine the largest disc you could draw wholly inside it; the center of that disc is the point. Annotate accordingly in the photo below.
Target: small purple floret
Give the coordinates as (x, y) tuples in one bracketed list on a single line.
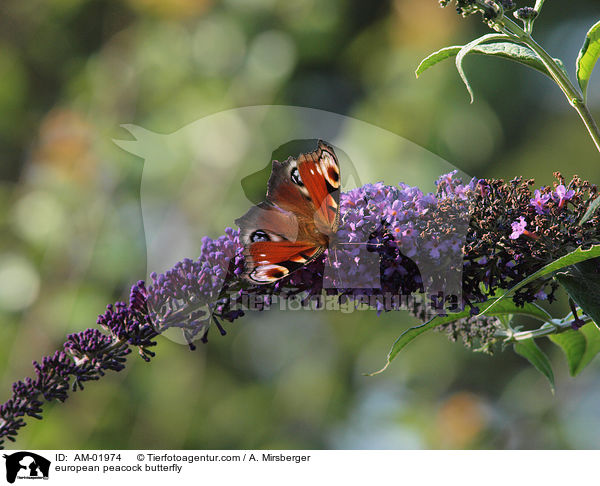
[(518, 228), (539, 201)]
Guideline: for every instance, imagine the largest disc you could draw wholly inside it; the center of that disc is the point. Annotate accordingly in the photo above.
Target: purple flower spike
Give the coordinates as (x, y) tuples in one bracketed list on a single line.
[(85, 357)]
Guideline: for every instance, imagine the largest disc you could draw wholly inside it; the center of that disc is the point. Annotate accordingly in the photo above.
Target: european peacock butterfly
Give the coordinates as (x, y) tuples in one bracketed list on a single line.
[(299, 217)]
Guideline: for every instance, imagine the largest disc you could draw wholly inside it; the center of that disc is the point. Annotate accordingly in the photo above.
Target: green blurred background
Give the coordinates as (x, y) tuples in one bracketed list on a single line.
[(72, 240)]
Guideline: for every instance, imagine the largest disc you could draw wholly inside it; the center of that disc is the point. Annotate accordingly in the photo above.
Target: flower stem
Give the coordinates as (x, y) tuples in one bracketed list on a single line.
[(538, 5), (559, 76), (556, 326), (588, 120)]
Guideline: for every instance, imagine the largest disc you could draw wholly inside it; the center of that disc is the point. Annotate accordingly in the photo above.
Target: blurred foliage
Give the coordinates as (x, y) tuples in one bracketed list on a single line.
[(72, 239)]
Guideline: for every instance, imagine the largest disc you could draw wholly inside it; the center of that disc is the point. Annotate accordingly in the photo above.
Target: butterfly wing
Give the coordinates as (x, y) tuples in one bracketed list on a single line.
[(272, 247), (309, 186), (272, 260), (293, 227), (320, 173)]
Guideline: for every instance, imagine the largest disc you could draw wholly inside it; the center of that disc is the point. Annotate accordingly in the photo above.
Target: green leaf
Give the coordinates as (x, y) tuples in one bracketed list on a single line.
[(468, 48), (582, 283), (576, 256), (505, 308), (592, 338), (532, 353), (573, 343), (507, 50), (590, 211), (588, 56), (436, 57), (584, 288)]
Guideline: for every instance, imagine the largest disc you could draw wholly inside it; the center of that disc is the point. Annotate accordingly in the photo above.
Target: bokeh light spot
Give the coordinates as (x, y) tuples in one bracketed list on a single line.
[(38, 217), (19, 283)]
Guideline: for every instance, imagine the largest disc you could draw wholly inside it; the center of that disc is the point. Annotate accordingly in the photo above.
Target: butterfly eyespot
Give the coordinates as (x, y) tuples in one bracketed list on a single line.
[(268, 273), (295, 176), (333, 175), (277, 274), (330, 170), (259, 235)]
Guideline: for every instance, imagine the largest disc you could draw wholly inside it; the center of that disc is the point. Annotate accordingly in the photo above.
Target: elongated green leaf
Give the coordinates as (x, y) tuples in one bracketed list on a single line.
[(595, 204), (592, 338), (573, 344), (584, 288), (504, 308), (436, 57), (468, 48), (572, 258), (506, 50), (532, 353), (588, 56)]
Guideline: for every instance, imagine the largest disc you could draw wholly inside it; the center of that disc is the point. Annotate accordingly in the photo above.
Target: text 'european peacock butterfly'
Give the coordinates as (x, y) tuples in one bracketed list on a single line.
[(298, 219)]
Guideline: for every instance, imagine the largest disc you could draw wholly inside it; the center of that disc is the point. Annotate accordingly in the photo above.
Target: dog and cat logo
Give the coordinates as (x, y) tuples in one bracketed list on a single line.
[(26, 465)]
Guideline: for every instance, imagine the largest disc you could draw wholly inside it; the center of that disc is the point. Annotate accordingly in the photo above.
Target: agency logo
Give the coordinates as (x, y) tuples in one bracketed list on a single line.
[(26, 465)]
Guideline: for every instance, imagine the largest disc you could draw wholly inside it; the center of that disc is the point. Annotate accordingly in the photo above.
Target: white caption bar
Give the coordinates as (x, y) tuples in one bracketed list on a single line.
[(298, 467)]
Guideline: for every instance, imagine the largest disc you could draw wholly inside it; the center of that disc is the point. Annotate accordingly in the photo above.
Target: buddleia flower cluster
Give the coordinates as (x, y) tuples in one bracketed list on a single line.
[(515, 231), (453, 248)]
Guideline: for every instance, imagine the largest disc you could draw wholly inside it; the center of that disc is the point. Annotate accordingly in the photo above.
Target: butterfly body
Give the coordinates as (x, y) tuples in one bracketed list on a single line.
[(298, 219)]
